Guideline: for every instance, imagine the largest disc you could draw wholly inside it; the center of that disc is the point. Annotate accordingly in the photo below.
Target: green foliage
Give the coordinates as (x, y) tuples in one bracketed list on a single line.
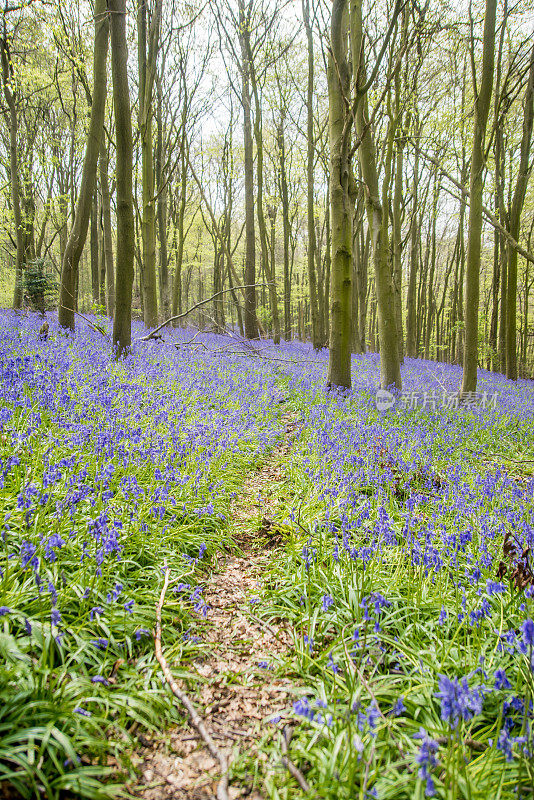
[(38, 284)]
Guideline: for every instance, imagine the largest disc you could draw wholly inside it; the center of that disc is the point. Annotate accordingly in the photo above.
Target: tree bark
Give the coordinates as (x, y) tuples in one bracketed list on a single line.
[(251, 323), (78, 235), (377, 216), (108, 234), (339, 366), (411, 300), (286, 228), (7, 76), (162, 208), (515, 219), (122, 322), (312, 278), (94, 249), (147, 56), (472, 272)]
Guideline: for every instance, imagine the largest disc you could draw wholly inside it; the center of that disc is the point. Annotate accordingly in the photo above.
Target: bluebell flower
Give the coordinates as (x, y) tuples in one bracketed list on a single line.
[(528, 632), (501, 681), (398, 707), (55, 617), (458, 701), (82, 711), (327, 602), (427, 760)]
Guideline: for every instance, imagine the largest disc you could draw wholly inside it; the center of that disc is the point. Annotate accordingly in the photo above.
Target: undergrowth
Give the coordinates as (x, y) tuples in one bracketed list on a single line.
[(108, 472)]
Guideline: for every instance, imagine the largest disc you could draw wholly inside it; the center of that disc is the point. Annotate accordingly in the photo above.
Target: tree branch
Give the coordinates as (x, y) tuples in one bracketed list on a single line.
[(153, 333)]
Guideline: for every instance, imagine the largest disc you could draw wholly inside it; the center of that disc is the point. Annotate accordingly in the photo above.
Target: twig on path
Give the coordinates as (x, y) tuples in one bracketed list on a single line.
[(292, 769), (196, 720), (265, 625)]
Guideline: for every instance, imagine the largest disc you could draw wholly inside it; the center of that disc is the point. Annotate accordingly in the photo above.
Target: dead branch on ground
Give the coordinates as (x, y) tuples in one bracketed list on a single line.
[(196, 720), (291, 768), (152, 334)]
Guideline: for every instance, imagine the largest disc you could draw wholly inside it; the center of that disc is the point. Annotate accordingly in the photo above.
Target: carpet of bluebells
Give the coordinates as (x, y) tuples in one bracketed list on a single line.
[(405, 573), (108, 473), (407, 577)]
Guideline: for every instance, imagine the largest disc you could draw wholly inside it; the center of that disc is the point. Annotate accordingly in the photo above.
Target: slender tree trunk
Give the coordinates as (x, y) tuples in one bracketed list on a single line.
[(272, 277), (312, 278), (515, 220), (251, 323), (7, 79), (286, 230), (177, 288), (476, 184), (108, 233), (339, 367), (101, 259), (430, 292), (377, 216), (327, 260), (162, 209), (122, 322), (268, 278), (397, 243), (320, 283), (94, 249), (147, 69), (78, 235), (411, 300)]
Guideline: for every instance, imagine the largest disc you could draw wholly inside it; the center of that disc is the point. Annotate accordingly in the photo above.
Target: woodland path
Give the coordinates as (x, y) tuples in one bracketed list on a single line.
[(236, 695)]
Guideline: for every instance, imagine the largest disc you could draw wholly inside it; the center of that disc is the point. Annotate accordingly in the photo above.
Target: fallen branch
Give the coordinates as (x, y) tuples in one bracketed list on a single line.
[(196, 720), (291, 768), (152, 334), (99, 328), (473, 744)]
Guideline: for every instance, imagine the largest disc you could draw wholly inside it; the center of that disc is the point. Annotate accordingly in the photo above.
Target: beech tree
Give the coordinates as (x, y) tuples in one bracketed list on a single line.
[(78, 234), (483, 95), (122, 321)]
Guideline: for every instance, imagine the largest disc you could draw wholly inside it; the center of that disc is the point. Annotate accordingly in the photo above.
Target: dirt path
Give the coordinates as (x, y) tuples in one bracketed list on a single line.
[(239, 695)]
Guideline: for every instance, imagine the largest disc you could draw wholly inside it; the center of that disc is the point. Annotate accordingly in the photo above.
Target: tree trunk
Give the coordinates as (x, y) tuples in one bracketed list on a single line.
[(78, 234), (147, 70), (7, 77), (339, 367), (515, 219), (411, 300), (162, 209), (251, 323), (122, 322), (94, 249), (272, 278), (397, 239), (108, 233), (312, 278), (286, 229), (177, 287), (377, 216), (476, 185)]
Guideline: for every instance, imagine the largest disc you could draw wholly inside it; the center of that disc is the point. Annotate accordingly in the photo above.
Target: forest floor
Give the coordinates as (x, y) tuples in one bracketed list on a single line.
[(236, 695), (348, 592)]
